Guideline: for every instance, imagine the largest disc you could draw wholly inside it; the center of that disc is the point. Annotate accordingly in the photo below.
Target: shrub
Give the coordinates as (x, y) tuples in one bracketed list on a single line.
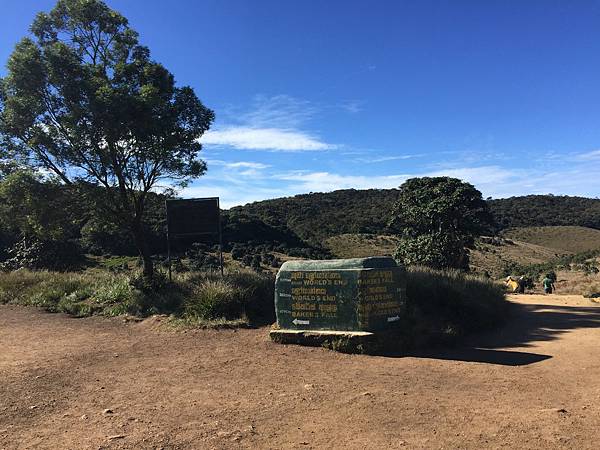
[(214, 299), (117, 290), (43, 254), (450, 303), (238, 294)]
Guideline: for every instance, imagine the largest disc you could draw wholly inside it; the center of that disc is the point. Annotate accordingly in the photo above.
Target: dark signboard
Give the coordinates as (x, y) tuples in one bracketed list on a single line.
[(190, 217)]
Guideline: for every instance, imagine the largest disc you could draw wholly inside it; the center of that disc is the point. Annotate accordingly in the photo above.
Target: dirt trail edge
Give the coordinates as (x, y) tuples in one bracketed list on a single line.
[(101, 383)]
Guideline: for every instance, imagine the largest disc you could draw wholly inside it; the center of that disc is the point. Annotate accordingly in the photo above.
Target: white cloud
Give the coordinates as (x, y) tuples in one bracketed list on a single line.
[(352, 107), (272, 123), (386, 158), (272, 139), (326, 181), (247, 164), (593, 155), (279, 111), (237, 164)]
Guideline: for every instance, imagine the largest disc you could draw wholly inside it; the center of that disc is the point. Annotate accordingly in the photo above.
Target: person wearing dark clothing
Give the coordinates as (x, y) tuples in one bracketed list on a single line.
[(548, 284)]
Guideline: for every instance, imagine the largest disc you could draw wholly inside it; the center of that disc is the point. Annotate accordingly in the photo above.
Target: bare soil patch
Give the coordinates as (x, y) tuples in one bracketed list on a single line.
[(106, 383)]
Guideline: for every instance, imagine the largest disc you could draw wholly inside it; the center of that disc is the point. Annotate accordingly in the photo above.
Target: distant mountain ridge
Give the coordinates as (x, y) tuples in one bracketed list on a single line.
[(316, 217), (546, 210)]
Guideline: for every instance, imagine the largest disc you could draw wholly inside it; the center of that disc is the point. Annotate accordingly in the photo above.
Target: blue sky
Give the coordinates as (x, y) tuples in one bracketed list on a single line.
[(321, 95)]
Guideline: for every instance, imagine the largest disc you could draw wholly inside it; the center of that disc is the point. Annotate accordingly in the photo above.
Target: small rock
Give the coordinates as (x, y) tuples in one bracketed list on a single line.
[(366, 393), (309, 386), (108, 411), (116, 436), (84, 417), (33, 407)]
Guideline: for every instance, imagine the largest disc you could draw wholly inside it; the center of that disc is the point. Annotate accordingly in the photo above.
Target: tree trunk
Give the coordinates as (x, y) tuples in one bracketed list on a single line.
[(142, 246)]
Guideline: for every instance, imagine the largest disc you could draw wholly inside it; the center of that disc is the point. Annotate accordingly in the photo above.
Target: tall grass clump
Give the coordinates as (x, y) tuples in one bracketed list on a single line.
[(236, 295), (214, 299), (450, 304)]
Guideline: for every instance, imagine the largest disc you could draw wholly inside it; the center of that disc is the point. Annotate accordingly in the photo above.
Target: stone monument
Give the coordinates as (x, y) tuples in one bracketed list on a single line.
[(350, 298)]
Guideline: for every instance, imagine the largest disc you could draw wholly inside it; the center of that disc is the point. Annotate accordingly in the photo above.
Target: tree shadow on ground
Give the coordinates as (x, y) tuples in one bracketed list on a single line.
[(527, 324)]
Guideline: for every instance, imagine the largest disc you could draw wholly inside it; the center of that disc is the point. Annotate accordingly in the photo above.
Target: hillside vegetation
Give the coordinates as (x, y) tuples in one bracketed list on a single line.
[(361, 245), (564, 239), (317, 217), (546, 210), (494, 258)]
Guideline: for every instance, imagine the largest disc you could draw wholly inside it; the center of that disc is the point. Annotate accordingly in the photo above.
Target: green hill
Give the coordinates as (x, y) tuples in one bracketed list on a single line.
[(565, 239), (316, 217), (546, 210)]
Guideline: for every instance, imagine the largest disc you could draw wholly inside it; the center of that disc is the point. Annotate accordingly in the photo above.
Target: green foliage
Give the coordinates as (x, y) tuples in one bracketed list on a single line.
[(437, 219), (546, 210), (436, 250), (37, 208), (43, 254), (101, 237)]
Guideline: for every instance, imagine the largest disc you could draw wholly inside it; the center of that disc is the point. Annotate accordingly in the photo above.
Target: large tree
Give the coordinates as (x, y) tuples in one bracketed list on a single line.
[(437, 220), (84, 100)]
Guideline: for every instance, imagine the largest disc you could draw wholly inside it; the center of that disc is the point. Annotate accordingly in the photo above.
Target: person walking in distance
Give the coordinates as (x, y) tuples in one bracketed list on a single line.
[(548, 284)]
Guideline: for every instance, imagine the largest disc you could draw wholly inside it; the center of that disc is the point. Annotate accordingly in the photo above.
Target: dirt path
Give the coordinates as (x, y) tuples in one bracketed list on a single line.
[(534, 384)]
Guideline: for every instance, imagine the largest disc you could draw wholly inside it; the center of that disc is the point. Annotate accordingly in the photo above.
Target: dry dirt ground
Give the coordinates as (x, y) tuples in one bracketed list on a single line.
[(102, 383)]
